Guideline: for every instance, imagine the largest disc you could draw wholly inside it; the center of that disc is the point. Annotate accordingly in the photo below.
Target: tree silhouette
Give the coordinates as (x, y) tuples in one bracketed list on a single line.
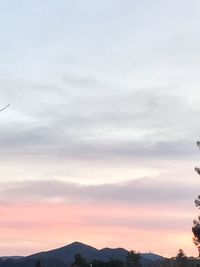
[(181, 259), (181, 255), (79, 261), (133, 259), (196, 223)]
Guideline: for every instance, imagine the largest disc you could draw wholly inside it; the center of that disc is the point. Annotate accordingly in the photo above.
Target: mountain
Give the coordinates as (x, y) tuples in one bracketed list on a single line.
[(67, 253), (64, 256), (106, 254), (152, 256)]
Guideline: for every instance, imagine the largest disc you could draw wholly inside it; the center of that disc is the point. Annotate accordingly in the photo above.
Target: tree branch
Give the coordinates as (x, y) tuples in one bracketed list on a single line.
[(4, 107)]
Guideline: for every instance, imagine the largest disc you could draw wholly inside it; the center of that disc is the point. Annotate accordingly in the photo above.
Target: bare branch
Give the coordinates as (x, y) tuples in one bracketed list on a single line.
[(4, 107), (198, 144), (197, 170)]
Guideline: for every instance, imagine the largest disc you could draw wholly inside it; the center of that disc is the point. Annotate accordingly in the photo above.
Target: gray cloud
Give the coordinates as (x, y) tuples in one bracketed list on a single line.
[(96, 124), (137, 192)]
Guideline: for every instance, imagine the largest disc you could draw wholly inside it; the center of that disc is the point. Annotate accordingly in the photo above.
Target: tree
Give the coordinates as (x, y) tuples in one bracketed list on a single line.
[(181, 258), (79, 261), (196, 223), (133, 259), (181, 255)]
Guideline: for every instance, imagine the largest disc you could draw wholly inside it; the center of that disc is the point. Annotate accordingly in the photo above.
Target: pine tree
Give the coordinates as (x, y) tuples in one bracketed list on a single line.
[(181, 259), (181, 255)]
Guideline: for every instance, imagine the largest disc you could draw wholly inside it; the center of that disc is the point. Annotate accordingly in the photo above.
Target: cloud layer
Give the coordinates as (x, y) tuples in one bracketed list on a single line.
[(141, 192)]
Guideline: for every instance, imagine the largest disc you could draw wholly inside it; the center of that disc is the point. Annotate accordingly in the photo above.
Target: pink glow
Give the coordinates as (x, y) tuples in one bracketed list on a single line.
[(27, 229)]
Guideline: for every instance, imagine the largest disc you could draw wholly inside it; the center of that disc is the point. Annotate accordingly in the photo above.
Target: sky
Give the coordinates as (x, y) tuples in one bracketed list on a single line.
[(98, 143)]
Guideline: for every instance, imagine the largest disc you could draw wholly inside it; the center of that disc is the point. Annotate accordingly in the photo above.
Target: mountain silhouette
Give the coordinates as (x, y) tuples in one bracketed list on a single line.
[(64, 256), (67, 253)]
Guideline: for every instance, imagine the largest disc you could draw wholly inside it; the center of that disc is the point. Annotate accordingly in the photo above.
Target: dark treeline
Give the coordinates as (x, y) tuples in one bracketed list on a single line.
[(32, 263), (133, 259)]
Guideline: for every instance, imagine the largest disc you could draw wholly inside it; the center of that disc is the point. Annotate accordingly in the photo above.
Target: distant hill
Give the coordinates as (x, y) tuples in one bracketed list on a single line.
[(64, 256), (67, 253), (152, 256)]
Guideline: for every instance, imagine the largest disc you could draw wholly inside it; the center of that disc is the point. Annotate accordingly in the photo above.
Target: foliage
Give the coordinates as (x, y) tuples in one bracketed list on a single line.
[(196, 223)]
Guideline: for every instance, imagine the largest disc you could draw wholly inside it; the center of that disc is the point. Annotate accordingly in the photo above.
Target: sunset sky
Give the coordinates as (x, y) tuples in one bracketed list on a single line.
[(98, 143)]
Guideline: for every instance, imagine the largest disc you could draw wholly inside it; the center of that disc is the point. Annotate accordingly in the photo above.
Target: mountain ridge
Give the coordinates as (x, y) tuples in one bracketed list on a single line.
[(67, 253)]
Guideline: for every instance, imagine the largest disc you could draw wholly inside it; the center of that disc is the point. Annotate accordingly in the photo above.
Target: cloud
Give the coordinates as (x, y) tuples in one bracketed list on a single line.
[(142, 192), (97, 123)]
